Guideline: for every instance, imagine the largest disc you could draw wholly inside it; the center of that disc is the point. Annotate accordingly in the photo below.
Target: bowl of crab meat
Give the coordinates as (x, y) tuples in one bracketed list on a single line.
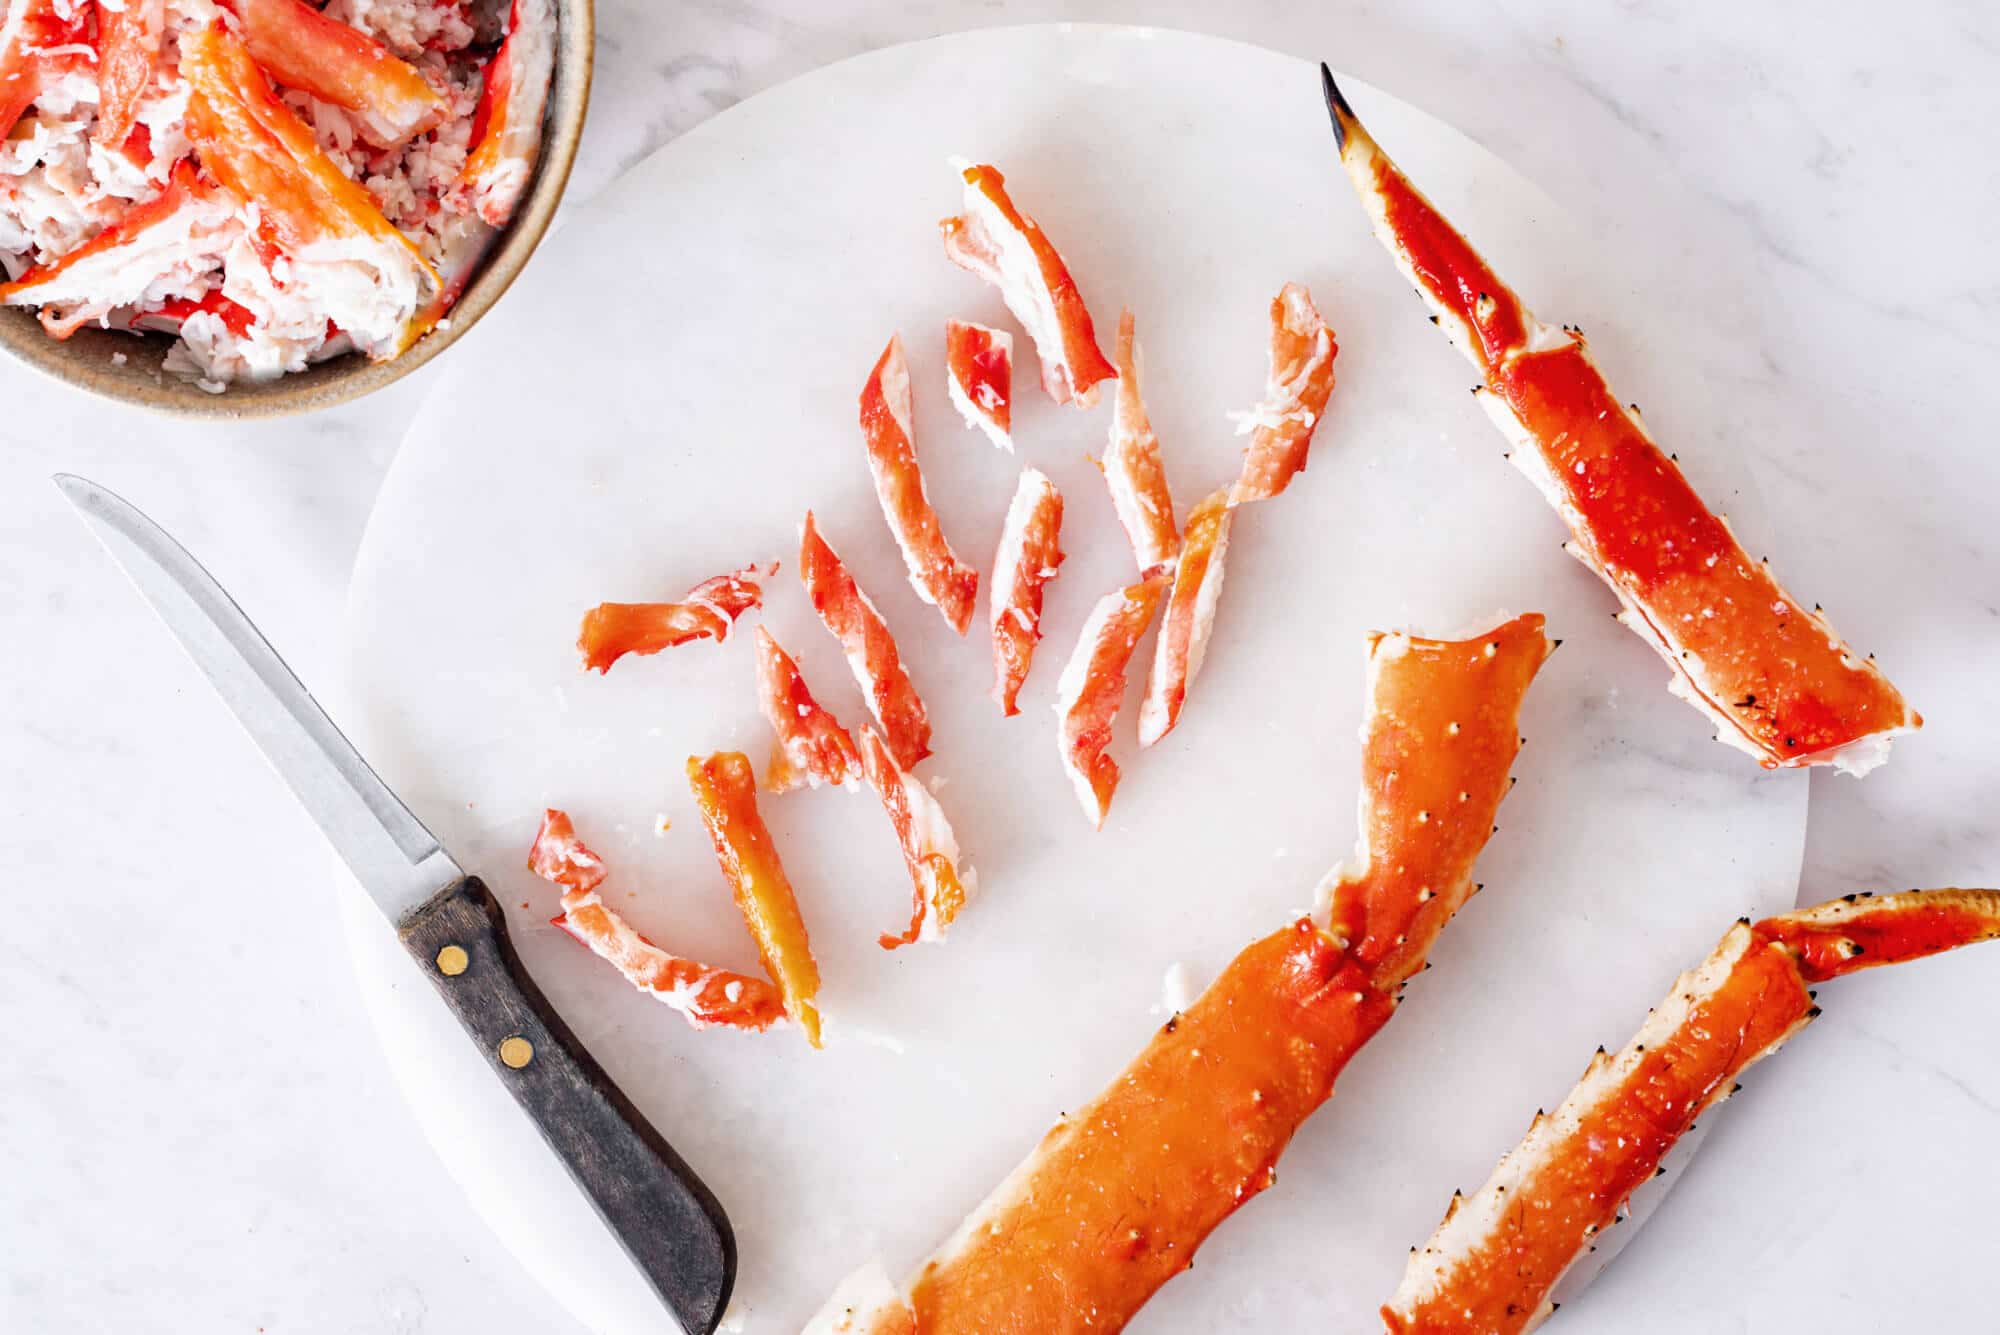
[(241, 208)]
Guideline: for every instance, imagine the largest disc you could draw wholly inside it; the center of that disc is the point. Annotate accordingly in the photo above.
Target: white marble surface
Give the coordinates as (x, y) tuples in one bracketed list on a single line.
[(198, 1131)]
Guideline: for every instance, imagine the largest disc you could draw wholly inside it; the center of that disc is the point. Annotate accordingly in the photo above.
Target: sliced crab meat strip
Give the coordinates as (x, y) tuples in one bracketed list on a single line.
[(612, 630), (1769, 672), (507, 129), (847, 612), (811, 746), (1295, 394), (302, 48), (1132, 468), (1190, 616), (1092, 689), (979, 377), (940, 880), (1028, 557), (888, 427)]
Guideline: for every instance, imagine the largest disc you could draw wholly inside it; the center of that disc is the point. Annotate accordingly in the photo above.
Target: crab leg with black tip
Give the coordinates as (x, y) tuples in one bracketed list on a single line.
[(1495, 1259), (1117, 1196), (1771, 675)]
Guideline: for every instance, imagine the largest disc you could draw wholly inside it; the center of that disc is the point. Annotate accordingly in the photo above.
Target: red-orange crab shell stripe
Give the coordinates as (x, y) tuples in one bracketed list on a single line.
[(703, 995), (1493, 1262), (1092, 688), (1298, 385), (1132, 469), (887, 425), (1190, 616), (612, 630), (939, 887), (870, 649), (979, 378), (1118, 1195), (725, 790), (1772, 675), (337, 63), (811, 746), (1859, 932), (1439, 737), (1008, 249), (1029, 554)]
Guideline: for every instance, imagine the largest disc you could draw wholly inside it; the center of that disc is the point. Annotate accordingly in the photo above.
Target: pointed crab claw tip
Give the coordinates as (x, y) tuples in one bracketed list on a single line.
[(1337, 109)]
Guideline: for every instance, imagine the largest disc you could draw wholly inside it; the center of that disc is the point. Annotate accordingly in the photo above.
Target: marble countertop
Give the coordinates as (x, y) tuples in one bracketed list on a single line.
[(201, 1133)]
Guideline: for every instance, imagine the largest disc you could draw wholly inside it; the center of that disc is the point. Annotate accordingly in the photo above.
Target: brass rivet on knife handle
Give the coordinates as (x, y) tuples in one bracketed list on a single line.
[(516, 1051), (453, 961)]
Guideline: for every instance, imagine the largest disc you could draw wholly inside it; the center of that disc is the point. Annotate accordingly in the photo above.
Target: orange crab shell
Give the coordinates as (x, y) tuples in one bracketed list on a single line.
[(302, 48), (1772, 675), (1298, 386), (612, 630), (1190, 616), (850, 616), (939, 886), (1092, 688), (810, 745), (979, 378), (887, 425)]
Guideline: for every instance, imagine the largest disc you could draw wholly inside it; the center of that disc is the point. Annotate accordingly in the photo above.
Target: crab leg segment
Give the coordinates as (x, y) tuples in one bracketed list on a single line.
[(303, 48), (1132, 468), (812, 747), (1008, 249), (938, 576), (1772, 675), (1028, 556), (703, 995), (870, 649), (1117, 1197), (1092, 687), (507, 128), (725, 788), (939, 885), (612, 630), (1189, 618), (1493, 1262), (1295, 394), (979, 365)]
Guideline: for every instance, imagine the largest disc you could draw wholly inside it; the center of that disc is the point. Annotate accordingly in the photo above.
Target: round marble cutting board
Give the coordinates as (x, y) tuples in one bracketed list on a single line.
[(663, 398)]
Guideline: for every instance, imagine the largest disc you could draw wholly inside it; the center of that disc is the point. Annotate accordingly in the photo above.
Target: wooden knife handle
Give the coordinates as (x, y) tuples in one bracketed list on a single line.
[(669, 1222)]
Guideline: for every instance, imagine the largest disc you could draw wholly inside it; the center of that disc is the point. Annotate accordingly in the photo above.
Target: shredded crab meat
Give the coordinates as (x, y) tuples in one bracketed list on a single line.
[(940, 880), (1295, 396), (869, 648), (888, 428), (1008, 249), (1499, 1253), (1772, 676), (507, 131), (1029, 554), (41, 42), (1189, 618), (1118, 1195), (979, 377), (612, 630), (725, 790), (811, 747), (1092, 688), (702, 994), (1132, 468)]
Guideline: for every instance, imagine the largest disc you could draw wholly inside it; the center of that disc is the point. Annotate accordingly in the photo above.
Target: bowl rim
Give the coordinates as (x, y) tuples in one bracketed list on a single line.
[(77, 364)]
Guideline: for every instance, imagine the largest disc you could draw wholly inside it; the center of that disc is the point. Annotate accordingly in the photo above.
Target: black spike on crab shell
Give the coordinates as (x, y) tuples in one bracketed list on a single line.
[(1337, 109)]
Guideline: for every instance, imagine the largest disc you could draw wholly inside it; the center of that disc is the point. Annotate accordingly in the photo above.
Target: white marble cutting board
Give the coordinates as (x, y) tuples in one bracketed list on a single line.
[(671, 387)]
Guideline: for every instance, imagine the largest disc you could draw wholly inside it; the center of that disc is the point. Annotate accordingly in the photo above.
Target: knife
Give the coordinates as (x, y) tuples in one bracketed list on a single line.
[(669, 1223)]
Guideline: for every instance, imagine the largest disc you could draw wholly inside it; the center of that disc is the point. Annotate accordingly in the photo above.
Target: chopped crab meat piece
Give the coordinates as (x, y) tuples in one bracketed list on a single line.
[(1092, 687), (870, 649), (612, 630), (1295, 394), (302, 48), (703, 995), (1495, 1259), (1029, 554), (1773, 677), (1008, 249), (812, 748), (939, 884), (507, 127), (1190, 616), (1132, 468), (40, 42), (979, 376), (725, 788), (305, 206), (1119, 1195), (1440, 736), (129, 39), (161, 245), (939, 577)]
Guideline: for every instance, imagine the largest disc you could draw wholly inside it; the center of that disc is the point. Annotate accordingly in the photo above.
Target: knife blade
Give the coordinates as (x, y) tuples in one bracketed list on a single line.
[(667, 1220)]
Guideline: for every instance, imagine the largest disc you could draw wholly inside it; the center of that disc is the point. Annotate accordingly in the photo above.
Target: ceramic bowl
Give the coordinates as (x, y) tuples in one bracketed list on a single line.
[(87, 361)]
